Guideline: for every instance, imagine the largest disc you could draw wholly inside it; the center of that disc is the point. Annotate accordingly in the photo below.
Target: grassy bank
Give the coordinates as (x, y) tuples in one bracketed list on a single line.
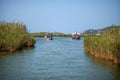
[(106, 45), (14, 36)]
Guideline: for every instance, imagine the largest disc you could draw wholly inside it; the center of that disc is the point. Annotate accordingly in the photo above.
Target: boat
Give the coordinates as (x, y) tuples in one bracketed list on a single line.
[(48, 36), (76, 36)]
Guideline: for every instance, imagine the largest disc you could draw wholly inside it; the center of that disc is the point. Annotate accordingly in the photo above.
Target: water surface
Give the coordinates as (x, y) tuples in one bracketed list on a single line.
[(59, 59)]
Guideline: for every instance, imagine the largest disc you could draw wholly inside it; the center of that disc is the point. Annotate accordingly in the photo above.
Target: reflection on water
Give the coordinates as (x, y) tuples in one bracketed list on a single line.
[(59, 59), (114, 69)]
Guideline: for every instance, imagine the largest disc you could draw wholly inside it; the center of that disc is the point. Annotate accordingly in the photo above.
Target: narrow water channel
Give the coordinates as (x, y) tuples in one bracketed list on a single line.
[(59, 59)]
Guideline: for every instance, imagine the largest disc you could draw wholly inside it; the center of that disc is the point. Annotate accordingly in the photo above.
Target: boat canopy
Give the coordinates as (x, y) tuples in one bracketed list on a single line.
[(76, 33)]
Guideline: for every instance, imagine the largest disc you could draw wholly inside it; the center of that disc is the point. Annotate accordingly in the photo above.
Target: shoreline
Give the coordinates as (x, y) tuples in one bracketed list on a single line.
[(109, 57)]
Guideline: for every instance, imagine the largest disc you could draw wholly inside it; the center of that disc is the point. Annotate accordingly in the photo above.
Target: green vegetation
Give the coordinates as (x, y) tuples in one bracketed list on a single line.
[(14, 36), (106, 45), (61, 35), (42, 34)]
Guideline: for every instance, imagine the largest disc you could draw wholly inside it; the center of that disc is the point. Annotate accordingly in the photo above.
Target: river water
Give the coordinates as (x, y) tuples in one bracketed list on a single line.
[(59, 59)]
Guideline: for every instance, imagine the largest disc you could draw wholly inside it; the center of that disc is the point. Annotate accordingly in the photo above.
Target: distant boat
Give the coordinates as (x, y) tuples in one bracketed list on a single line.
[(76, 36), (48, 36)]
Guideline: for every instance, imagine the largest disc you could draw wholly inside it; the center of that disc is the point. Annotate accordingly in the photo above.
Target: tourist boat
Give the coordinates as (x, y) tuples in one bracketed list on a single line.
[(48, 36), (76, 36)]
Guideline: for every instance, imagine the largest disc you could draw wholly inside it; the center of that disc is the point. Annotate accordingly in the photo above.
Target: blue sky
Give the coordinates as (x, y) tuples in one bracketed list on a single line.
[(65, 16)]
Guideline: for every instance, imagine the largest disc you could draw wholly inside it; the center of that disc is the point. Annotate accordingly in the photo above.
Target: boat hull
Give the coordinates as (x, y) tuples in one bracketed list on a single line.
[(76, 37), (48, 37)]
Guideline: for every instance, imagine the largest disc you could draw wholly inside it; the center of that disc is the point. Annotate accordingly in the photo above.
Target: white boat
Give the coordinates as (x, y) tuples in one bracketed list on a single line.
[(48, 36), (76, 36)]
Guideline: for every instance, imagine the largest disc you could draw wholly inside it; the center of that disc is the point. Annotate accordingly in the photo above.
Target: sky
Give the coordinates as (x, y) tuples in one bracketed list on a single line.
[(66, 16)]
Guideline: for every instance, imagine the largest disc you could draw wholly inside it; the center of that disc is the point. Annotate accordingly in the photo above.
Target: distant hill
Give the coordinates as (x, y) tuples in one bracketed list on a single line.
[(99, 31), (93, 31)]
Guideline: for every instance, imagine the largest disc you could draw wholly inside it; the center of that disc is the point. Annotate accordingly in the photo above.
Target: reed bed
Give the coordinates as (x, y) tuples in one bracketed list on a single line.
[(106, 45), (14, 36)]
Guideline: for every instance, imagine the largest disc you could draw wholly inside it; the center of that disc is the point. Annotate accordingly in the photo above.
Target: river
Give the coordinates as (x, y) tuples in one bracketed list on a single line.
[(59, 59)]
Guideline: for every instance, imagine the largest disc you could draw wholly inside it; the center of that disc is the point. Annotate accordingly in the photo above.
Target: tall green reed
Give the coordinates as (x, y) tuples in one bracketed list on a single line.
[(13, 36), (108, 43)]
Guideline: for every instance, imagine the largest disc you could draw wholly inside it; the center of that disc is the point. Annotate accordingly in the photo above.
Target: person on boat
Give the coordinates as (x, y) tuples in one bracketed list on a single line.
[(73, 35), (76, 35), (48, 36)]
